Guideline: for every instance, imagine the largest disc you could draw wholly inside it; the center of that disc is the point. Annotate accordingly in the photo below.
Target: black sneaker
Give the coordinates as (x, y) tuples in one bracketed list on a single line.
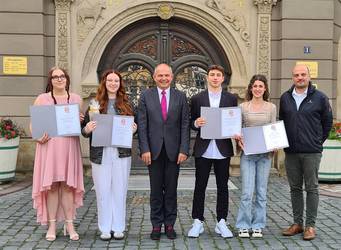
[(170, 232), (156, 233)]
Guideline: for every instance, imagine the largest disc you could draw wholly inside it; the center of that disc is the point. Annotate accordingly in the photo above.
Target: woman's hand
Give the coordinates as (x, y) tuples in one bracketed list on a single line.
[(90, 126), (134, 127), (45, 138), (81, 117), (239, 140), (199, 122)]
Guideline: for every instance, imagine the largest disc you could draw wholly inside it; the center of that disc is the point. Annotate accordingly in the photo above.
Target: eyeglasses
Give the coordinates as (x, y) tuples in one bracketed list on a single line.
[(57, 78)]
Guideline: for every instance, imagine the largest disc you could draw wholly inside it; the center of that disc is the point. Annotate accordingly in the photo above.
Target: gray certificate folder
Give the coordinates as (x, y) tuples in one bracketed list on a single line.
[(221, 123), (212, 128), (109, 131), (44, 120), (102, 135), (254, 142)]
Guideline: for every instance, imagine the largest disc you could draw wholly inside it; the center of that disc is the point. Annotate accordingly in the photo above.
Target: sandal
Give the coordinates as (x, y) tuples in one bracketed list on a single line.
[(73, 236), (51, 237)]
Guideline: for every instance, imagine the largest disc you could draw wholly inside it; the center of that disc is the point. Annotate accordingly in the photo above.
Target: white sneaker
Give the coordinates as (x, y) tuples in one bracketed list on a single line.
[(257, 233), (197, 229), (105, 236), (223, 230), (244, 233), (118, 235)]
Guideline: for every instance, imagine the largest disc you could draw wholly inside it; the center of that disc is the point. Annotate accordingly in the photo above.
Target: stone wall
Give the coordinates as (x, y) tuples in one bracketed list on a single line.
[(27, 30)]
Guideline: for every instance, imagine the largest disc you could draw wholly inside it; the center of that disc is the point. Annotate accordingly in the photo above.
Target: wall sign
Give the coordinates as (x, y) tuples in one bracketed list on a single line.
[(15, 65)]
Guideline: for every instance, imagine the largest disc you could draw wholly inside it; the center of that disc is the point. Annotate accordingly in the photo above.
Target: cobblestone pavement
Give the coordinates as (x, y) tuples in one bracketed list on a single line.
[(19, 230)]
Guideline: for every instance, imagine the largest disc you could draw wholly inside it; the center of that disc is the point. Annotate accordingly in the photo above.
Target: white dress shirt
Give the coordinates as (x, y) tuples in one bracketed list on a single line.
[(212, 151), (167, 95), (299, 97)]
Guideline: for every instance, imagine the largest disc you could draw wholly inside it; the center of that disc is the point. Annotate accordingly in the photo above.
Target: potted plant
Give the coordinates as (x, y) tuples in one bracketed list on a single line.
[(9, 146), (330, 167)]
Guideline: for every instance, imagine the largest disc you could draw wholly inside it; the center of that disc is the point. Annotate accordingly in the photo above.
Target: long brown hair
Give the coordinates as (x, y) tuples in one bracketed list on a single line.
[(49, 86), (122, 103), (261, 78)]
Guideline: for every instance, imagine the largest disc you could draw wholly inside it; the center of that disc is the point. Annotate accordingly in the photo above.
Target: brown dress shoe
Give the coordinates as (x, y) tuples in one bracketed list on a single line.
[(293, 230), (309, 233)]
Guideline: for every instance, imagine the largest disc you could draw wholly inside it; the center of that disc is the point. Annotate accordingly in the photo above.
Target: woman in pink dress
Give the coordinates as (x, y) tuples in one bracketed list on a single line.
[(58, 170)]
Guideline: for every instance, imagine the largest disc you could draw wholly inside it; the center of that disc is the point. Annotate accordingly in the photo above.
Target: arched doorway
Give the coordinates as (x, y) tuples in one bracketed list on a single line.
[(184, 45)]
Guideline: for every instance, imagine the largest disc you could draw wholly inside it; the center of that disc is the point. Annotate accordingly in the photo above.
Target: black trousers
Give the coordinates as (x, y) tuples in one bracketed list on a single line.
[(202, 173), (163, 176)]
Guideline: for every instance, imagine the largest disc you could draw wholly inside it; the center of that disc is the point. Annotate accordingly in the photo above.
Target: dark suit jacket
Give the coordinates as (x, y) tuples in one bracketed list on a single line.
[(153, 132), (202, 100)]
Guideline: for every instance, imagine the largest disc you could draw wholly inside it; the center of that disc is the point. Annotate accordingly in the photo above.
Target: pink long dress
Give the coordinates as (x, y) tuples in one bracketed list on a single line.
[(58, 160)]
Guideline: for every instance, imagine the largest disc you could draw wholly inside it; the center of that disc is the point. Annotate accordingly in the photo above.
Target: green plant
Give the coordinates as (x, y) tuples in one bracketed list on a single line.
[(9, 129), (335, 132)]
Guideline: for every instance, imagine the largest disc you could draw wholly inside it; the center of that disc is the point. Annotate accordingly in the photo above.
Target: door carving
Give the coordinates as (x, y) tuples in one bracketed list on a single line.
[(187, 47)]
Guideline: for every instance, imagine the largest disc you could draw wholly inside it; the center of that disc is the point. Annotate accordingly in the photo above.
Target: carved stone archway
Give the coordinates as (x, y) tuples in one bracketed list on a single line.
[(91, 54)]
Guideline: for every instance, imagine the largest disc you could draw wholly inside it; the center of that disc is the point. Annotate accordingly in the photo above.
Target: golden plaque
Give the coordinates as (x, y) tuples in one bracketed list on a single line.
[(312, 66), (15, 65), (165, 11)]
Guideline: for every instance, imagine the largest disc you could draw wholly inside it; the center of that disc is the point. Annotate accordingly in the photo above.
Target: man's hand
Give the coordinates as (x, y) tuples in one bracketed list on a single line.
[(147, 158), (199, 122), (181, 158)]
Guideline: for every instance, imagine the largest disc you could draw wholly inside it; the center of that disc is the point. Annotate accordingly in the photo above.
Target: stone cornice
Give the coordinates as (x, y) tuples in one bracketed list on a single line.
[(63, 4), (265, 6)]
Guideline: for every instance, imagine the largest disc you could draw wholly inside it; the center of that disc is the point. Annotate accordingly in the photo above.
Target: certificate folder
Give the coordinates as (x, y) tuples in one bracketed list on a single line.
[(221, 123), (55, 120), (112, 130), (263, 139)]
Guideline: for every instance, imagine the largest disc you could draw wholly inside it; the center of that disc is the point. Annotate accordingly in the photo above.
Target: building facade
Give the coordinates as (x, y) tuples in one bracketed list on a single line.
[(88, 36)]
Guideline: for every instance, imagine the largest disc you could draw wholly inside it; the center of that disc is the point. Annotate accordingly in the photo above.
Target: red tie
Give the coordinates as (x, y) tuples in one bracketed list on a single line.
[(164, 105)]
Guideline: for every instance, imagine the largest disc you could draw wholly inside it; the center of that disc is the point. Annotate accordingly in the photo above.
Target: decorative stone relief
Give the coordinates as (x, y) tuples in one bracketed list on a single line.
[(236, 20), (88, 14), (239, 91), (62, 33), (165, 11), (88, 90), (265, 6), (264, 36)]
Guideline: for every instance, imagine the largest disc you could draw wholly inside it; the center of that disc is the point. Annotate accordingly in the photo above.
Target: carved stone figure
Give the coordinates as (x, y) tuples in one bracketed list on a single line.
[(236, 20), (91, 11)]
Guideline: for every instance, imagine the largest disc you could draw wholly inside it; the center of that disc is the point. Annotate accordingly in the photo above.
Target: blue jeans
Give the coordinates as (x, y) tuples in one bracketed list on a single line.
[(255, 171)]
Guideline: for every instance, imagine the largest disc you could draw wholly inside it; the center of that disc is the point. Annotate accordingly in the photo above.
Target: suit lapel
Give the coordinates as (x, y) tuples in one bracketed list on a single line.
[(156, 100), (222, 99), (206, 99), (172, 98)]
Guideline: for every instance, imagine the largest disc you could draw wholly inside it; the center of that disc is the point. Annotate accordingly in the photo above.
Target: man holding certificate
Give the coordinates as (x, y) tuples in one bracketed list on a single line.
[(163, 126), (307, 116), (209, 152)]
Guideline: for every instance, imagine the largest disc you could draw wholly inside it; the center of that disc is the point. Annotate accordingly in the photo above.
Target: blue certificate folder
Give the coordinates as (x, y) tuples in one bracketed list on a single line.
[(55, 120)]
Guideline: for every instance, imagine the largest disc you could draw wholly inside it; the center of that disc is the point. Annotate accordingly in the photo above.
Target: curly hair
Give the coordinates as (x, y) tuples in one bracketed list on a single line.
[(254, 78), (122, 103)]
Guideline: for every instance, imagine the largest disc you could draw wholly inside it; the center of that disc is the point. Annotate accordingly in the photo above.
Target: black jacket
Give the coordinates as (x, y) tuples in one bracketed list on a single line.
[(202, 100), (308, 127), (96, 153)]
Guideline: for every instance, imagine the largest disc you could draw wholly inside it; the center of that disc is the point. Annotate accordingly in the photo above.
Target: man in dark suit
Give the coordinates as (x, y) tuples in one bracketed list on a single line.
[(163, 125), (211, 152)]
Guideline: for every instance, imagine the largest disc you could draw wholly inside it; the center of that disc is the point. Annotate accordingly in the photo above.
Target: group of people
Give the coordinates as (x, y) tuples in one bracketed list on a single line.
[(163, 121)]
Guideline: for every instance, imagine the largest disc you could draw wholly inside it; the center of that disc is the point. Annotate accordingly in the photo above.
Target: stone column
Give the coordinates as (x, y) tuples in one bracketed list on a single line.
[(63, 34), (264, 36)]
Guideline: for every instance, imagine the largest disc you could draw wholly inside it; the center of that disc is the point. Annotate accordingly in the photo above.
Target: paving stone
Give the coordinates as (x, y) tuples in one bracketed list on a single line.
[(19, 229)]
